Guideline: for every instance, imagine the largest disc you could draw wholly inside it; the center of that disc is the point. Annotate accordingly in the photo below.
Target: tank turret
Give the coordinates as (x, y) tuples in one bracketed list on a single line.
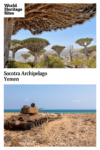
[(30, 110)]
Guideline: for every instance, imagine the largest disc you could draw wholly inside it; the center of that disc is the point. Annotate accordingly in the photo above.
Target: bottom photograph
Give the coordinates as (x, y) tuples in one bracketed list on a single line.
[(49, 115)]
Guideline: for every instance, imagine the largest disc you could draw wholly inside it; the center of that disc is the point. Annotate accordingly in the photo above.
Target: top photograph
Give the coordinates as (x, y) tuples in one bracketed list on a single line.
[(51, 35)]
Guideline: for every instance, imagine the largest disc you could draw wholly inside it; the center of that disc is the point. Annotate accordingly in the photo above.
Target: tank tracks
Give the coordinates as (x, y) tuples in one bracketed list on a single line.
[(29, 125), (39, 122)]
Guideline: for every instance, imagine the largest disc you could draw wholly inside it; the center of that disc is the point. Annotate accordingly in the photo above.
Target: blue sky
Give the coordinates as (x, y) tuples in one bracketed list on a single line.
[(50, 96), (65, 37)]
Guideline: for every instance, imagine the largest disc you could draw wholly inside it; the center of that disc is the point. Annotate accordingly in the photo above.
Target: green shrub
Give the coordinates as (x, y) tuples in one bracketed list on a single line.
[(90, 63), (93, 65), (76, 63), (54, 55), (78, 56), (11, 64), (14, 64), (30, 63), (94, 58), (22, 65), (51, 62)]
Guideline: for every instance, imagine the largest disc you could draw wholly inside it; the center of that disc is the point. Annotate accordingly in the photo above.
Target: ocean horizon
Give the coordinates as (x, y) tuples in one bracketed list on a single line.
[(55, 111)]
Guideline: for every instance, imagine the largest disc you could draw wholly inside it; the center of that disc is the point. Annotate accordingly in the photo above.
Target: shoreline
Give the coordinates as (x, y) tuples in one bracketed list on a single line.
[(76, 111), (55, 113)]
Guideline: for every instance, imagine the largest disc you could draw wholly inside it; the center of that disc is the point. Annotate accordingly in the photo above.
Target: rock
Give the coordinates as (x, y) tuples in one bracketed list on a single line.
[(7, 138)]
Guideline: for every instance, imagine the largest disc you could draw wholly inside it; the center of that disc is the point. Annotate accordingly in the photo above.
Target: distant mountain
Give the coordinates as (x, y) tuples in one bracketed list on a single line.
[(18, 56), (64, 52)]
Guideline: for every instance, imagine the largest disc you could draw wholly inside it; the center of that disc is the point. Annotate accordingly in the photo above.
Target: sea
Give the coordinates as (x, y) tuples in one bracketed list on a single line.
[(55, 111)]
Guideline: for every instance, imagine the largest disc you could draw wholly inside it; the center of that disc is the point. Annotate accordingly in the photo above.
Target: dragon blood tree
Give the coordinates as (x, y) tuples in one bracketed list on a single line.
[(41, 17), (89, 49), (15, 46), (85, 42), (58, 49), (42, 51), (30, 52), (35, 45), (25, 56)]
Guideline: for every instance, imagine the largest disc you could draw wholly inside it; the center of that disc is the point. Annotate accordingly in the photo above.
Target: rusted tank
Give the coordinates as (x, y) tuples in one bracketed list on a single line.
[(28, 118)]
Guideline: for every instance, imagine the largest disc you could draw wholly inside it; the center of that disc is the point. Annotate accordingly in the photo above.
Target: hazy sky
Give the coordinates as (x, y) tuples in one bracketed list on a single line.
[(50, 96), (64, 37)]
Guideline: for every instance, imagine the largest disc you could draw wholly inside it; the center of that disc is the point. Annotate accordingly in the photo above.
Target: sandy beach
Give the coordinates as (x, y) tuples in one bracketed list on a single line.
[(61, 130)]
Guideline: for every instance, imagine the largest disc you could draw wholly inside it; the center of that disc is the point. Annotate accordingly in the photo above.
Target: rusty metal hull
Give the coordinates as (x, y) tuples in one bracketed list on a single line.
[(22, 120)]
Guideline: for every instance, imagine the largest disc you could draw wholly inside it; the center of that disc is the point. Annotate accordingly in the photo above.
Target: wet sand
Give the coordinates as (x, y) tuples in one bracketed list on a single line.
[(61, 130)]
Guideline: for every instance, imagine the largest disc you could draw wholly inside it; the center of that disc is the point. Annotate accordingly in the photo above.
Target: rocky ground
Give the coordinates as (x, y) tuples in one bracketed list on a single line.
[(61, 130)]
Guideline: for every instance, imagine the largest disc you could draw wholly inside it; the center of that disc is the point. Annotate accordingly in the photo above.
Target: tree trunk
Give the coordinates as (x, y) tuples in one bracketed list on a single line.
[(8, 28), (35, 58), (59, 56), (13, 55), (76, 66), (86, 52), (70, 57)]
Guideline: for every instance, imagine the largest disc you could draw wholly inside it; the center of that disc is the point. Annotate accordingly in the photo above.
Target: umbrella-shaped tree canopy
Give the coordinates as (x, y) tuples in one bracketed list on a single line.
[(58, 49), (25, 56), (90, 49), (39, 53), (15, 46), (46, 17), (30, 52), (35, 45), (85, 42), (42, 51)]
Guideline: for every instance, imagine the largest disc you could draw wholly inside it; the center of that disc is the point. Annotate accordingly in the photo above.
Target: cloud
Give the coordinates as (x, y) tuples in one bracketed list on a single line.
[(26, 99), (76, 101)]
